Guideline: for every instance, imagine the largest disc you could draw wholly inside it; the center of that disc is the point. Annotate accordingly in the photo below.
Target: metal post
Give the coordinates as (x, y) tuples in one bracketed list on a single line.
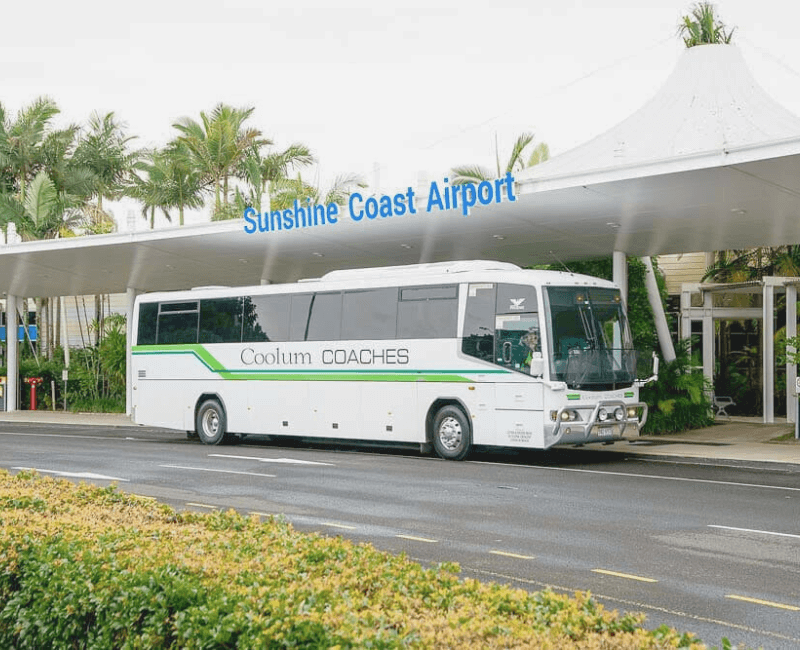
[(708, 337), (619, 273), (131, 294), (791, 368), (653, 295), (768, 353), (12, 399)]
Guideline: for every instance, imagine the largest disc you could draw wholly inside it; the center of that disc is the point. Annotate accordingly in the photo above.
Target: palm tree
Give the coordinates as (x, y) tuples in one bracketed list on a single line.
[(516, 161), (171, 181), (44, 212), (147, 187), (218, 144), (288, 190), (263, 172), (702, 27), (103, 152), (21, 140)]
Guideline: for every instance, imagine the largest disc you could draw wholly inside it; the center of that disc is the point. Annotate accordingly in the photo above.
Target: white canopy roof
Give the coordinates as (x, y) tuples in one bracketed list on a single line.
[(709, 163)]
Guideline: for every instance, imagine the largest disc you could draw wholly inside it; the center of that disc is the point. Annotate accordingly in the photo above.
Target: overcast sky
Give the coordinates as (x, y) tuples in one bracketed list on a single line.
[(410, 88)]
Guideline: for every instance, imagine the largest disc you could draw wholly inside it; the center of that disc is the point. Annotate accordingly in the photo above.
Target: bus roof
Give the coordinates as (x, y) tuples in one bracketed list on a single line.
[(437, 273)]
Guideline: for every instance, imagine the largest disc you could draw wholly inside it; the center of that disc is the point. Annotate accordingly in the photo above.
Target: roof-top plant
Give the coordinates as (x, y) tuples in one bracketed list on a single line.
[(702, 27)]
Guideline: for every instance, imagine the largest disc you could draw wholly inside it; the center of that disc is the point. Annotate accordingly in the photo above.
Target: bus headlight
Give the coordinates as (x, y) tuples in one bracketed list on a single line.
[(566, 416), (619, 414), (602, 414), (632, 412)]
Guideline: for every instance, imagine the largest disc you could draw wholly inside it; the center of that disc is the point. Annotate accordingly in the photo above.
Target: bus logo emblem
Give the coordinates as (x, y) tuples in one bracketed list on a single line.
[(517, 304)]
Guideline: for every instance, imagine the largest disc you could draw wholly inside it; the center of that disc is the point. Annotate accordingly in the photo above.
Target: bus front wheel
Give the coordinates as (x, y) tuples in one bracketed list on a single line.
[(210, 422), (451, 433)]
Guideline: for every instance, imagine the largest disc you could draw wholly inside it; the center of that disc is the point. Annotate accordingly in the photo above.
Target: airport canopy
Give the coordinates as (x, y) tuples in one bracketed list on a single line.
[(709, 163)]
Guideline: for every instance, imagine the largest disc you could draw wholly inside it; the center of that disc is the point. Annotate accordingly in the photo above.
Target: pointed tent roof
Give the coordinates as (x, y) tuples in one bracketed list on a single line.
[(708, 108)]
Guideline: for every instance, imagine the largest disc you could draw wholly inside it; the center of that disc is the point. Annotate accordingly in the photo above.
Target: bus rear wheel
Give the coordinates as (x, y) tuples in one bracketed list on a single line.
[(210, 422), (452, 439)]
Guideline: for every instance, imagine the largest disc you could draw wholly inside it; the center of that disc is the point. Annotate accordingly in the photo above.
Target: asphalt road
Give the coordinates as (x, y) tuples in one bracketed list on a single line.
[(708, 548)]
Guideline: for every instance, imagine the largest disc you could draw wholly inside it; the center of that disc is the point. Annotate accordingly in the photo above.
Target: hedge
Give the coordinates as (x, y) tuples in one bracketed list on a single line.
[(89, 567)]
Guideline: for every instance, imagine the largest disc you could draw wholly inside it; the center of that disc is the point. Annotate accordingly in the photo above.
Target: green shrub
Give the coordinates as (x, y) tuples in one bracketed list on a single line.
[(678, 400), (89, 567)]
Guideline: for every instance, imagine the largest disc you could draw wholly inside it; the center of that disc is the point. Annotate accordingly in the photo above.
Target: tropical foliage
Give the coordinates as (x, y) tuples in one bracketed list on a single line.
[(288, 190), (754, 264), (678, 400), (702, 27), (113, 570), (96, 373), (518, 159)]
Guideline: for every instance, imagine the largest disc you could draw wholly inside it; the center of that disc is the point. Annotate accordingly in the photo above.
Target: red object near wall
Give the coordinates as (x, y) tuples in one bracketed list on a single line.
[(33, 382)]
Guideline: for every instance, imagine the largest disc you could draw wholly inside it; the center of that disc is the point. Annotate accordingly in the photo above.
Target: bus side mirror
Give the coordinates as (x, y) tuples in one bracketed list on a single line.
[(537, 367), (654, 376)]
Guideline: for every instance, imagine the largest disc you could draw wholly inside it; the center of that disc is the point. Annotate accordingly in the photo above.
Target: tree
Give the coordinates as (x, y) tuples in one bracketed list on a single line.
[(44, 213), (41, 191), (517, 161), (21, 153), (103, 152), (218, 144), (702, 27), (262, 172), (170, 180), (288, 190)]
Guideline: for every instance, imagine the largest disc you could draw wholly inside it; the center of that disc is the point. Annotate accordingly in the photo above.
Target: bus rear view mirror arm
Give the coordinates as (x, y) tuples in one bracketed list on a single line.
[(654, 376)]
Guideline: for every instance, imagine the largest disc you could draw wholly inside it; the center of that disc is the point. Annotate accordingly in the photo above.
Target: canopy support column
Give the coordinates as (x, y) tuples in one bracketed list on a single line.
[(791, 368), (654, 297), (131, 295), (619, 273), (709, 353), (12, 343), (768, 354)]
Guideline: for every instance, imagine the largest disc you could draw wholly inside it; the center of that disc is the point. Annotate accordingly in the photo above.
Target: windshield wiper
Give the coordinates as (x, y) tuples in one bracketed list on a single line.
[(588, 328)]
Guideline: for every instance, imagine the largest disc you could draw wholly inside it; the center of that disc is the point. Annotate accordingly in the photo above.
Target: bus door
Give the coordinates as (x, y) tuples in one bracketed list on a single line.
[(517, 346)]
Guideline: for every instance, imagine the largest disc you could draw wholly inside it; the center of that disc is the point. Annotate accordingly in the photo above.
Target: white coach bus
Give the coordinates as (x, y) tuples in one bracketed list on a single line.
[(449, 354)]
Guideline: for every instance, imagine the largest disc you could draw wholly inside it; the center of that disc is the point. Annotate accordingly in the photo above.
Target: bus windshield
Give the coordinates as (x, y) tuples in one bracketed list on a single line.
[(591, 345)]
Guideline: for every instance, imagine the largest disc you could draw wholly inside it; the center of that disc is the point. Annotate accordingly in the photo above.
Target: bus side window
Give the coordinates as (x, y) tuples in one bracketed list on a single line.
[(428, 312), (325, 320), (148, 318), (479, 323), (266, 318), (517, 341), (174, 329), (220, 320), (298, 319), (369, 314)]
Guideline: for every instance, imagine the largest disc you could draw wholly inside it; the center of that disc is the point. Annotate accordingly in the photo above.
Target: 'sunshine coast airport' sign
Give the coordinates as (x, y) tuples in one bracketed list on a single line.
[(360, 209)]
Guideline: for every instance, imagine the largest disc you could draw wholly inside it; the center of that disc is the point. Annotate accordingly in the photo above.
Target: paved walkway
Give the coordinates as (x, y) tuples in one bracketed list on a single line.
[(740, 439)]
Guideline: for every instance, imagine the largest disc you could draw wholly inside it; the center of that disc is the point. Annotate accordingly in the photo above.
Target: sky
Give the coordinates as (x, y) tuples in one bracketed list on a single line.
[(396, 92)]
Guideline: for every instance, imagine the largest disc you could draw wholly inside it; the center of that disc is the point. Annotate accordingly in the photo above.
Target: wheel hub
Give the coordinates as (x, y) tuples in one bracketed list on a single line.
[(450, 433)]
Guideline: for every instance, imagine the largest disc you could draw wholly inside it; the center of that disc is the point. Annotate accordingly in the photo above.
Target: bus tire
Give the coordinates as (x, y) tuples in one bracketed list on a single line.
[(210, 422), (452, 438)]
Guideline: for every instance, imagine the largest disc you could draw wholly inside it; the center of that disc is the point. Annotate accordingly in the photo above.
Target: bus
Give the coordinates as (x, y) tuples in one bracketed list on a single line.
[(444, 355)]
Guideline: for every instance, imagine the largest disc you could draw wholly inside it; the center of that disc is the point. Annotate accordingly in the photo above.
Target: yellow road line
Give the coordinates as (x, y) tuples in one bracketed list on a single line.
[(418, 539), (628, 576), (332, 525), (768, 603), (201, 505), (514, 555), (261, 514)]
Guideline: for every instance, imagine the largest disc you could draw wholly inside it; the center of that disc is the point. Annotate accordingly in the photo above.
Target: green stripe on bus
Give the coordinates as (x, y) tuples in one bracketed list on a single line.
[(573, 396), (629, 393), (400, 375)]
